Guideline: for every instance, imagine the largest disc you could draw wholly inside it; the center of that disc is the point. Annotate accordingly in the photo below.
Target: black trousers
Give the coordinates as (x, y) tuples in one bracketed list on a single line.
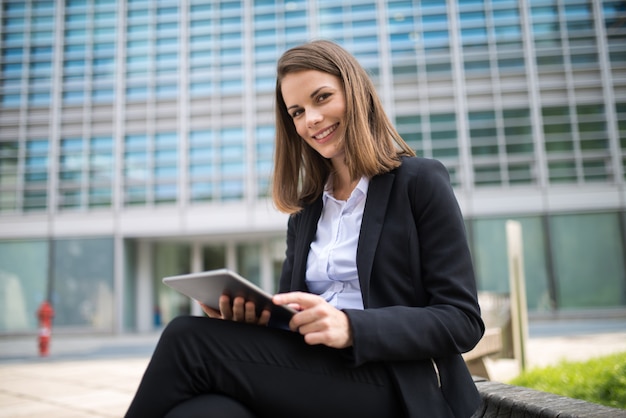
[(273, 372)]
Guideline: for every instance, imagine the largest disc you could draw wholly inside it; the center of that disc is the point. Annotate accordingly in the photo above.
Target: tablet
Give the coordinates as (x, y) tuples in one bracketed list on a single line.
[(208, 286)]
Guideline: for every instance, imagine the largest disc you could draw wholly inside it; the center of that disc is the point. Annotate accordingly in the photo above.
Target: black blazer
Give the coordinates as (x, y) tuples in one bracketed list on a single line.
[(417, 281)]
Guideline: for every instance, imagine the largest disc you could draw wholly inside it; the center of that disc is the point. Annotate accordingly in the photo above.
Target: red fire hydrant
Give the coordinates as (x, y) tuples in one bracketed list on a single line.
[(45, 313)]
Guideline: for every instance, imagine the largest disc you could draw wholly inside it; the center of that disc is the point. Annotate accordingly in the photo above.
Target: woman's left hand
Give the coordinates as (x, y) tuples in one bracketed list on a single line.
[(239, 310), (317, 320)]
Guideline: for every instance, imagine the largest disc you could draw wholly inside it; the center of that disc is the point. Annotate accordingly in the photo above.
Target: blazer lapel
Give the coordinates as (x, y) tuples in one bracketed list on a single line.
[(306, 231), (371, 226)]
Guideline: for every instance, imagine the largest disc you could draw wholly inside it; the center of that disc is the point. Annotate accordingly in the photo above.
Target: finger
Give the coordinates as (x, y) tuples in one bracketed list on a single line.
[(303, 299), (226, 309), (250, 312), (317, 310), (309, 320), (264, 319), (211, 313), (239, 309), (333, 331), (294, 306)]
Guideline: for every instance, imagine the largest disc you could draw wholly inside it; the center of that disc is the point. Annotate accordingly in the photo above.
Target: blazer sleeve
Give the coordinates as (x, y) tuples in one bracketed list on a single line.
[(441, 316)]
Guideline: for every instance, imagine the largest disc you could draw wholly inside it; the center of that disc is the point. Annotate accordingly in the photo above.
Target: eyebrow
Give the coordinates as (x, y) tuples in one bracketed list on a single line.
[(317, 90)]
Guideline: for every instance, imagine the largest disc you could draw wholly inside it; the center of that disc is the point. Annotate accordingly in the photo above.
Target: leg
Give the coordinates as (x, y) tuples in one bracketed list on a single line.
[(202, 405), (272, 372)]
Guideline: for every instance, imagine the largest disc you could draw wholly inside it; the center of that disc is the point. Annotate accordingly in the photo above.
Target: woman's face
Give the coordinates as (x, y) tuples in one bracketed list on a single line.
[(317, 105)]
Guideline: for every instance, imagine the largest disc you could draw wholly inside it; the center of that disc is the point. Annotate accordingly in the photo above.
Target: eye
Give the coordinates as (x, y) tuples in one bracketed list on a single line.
[(296, 113), (323, 97)]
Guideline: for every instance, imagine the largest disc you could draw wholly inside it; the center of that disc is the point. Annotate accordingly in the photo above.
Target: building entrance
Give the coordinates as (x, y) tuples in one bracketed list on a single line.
[(259, 261)]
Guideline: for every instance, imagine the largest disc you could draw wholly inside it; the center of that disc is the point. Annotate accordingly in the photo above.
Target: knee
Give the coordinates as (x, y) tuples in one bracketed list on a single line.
[(178, 326), (188, 336)]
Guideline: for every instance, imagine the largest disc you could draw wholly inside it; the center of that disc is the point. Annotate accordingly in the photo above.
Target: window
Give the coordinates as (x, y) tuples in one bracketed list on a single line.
[(135, 15), (75, 50), (74, 18), (136, 92), (443, 135), (12, 53), (557, 131), (27, 260), (9, 160), (483, 134), (166, 90), (39, 99), (165, 192), (596, 279), (76, 65), (487, 174), (11, 69), (13, 23), (73, 166), (151, 168), (85, 270), (563, 171), (137, 29), (200, 8), (103, 95), (518, 132), (13, 37), (167, 12), (35, 193), (521, 173), (264, 158), (14, 7), (489, 251), (410, 128), (11, 100), (135, 169), (200, 88), (73, 97)]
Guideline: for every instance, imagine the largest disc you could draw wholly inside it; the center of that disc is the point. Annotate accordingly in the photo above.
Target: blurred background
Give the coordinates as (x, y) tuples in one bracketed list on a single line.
[(136, 142)]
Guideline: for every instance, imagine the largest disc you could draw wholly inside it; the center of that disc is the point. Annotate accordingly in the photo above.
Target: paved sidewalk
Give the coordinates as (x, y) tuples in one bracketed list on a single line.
[(96, 376), (69, 389), (84, 376)]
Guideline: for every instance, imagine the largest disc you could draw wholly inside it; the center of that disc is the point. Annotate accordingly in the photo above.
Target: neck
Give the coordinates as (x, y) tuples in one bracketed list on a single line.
[(343, 184)]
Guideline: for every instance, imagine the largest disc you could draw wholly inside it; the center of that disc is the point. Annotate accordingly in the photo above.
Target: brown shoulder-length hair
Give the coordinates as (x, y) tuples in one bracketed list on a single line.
[(371, 143)]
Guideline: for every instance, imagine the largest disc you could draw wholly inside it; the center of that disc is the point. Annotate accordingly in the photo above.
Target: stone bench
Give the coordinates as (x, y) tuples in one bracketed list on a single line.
[(504, 401)]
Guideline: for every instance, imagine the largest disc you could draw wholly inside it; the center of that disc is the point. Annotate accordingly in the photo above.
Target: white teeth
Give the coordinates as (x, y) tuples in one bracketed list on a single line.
[(326, 132)]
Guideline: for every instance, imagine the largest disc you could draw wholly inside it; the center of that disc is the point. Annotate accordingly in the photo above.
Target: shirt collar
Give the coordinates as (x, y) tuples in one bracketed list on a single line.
[(362, 187)]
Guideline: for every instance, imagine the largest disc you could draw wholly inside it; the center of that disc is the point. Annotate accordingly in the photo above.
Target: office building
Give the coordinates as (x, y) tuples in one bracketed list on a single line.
[(136, 142)]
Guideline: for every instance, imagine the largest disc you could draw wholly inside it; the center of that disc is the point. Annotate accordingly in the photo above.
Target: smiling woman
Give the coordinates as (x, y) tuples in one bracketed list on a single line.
[(377, 267)]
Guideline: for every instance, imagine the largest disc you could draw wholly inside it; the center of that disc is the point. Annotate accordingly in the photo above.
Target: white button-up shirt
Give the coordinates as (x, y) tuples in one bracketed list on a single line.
[(331, 266)]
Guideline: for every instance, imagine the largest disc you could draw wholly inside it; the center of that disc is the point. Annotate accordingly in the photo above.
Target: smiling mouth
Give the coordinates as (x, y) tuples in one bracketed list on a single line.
[(326, 132)]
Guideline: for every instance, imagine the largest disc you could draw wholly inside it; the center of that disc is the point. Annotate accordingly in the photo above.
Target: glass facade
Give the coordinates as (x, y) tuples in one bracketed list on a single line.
[(170, 259), (75, 274), (591, 270), (563, 271), (536, 91), (489, 245), (82, 283), (111, 109), (23, 283)]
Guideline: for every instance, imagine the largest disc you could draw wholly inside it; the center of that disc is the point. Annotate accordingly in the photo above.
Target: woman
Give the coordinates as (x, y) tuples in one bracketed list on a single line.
[(377, 265)]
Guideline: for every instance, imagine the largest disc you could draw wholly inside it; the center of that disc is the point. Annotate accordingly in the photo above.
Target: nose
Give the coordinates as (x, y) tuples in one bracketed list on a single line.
[(313, 117)]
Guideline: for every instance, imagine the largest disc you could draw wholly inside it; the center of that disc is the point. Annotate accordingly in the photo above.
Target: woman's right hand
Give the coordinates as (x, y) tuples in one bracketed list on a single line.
[(239, 310)]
